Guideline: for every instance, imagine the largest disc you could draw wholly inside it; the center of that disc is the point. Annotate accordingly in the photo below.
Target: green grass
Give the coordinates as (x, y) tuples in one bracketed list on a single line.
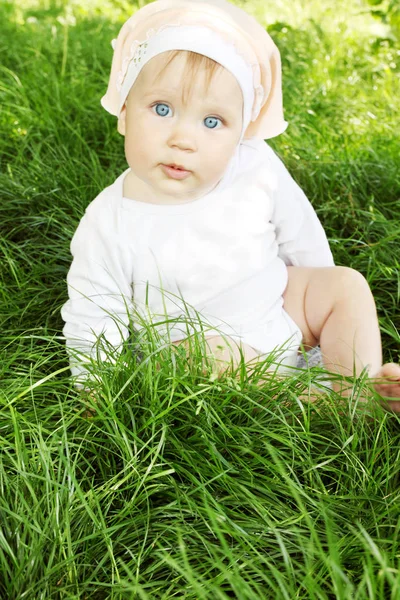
[(181, 486)]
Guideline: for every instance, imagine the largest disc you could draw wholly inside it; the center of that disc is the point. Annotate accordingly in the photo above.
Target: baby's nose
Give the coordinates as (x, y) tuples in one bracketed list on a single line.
[(183, 136)]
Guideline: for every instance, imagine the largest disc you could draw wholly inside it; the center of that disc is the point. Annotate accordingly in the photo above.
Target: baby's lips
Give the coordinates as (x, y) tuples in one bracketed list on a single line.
[(174, 166)]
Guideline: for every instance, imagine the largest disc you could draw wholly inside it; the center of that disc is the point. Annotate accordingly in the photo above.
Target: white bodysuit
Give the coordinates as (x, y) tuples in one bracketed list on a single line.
[(223, 255)]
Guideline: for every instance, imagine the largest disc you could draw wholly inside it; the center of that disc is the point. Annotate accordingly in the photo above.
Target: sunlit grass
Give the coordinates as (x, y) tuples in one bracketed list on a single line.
[(182, 485)]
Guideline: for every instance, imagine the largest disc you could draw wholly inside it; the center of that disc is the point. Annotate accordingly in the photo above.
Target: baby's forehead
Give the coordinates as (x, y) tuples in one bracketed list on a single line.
[(161, 76), (162, 71)]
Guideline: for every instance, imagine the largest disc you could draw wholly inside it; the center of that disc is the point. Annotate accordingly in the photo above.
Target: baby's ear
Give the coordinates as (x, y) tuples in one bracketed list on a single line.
[(122, 121)]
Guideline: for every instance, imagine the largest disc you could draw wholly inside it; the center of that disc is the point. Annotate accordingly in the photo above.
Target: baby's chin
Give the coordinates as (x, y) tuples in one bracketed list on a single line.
[(159, 189), (177, 197), (185, 190)]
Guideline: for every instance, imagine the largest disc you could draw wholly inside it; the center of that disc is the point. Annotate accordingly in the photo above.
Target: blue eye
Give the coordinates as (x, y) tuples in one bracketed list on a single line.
[(161, 109), (211, 122)]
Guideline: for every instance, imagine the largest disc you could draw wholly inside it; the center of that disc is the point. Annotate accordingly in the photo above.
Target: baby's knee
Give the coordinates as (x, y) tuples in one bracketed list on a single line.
[(348, 274), (349, 281)]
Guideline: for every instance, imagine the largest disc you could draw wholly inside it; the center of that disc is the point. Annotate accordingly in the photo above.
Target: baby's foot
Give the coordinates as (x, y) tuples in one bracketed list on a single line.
[(387, 383)]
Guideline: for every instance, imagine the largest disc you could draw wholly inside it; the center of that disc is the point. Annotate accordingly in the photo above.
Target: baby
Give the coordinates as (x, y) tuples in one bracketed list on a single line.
[(207, 213)]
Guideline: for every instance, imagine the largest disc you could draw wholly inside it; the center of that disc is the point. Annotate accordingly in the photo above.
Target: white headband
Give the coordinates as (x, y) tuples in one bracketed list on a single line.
[(197, 39)]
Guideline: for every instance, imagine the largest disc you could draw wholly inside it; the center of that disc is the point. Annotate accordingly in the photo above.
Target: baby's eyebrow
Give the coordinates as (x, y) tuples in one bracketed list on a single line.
[(158, 91), (173, 92)]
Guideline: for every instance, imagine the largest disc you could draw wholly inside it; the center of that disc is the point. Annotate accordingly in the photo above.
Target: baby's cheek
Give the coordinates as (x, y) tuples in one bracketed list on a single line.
[(218, 158), (213, 173)]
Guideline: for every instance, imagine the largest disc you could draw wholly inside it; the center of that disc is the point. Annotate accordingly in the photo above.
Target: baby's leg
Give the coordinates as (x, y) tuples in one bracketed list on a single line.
[(334, 306), (223, 351)]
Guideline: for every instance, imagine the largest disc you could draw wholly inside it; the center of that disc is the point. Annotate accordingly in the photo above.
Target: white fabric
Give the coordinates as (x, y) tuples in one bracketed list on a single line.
[(203, 41), (225, 254)]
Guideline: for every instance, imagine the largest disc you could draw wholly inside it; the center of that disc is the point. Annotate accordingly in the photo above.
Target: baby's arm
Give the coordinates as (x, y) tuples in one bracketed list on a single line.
[(99, 288), (301, 238)]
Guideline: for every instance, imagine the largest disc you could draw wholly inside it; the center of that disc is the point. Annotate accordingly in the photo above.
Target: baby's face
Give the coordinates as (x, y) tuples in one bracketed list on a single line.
[(200, 136)]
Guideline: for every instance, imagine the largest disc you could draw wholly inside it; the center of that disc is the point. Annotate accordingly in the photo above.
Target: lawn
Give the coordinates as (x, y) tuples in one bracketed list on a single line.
[(180, 485)]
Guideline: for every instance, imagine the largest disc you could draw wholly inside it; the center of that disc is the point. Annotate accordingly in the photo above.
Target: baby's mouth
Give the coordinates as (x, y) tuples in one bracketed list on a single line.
[(175, 171), (177, 167)]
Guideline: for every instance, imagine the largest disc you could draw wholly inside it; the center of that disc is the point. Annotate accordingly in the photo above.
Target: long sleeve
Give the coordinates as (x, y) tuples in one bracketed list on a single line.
[(302, 241), (99, 288)]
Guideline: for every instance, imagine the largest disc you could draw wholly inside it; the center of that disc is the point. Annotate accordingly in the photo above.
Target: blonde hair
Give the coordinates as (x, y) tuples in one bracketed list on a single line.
[(194, 63)]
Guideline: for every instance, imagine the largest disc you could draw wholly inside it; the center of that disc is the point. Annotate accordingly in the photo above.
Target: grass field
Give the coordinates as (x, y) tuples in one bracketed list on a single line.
[(182, 486)]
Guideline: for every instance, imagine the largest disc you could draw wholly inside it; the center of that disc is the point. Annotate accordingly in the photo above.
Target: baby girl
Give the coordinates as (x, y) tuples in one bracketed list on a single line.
[(206, 215)]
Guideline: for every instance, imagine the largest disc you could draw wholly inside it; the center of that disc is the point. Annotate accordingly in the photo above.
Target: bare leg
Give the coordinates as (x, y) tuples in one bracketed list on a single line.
[(223, 352), (335, 307)]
